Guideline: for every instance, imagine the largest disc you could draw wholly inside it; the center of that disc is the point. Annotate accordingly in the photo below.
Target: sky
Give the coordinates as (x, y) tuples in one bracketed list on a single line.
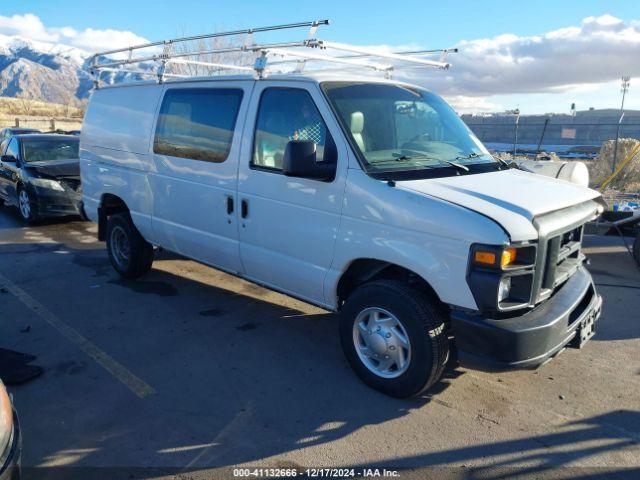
[(539, 56)]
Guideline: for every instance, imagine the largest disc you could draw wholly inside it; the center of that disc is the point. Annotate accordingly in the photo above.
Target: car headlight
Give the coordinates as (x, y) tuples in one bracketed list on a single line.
[(47, 183), (501, 276), (6, 425)]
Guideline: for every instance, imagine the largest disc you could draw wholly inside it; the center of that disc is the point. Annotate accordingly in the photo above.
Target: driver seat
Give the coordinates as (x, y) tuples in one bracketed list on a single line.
[(357, 127)]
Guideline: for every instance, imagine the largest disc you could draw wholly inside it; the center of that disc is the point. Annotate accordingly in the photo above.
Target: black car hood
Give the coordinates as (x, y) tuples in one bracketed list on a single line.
[(55, 168)]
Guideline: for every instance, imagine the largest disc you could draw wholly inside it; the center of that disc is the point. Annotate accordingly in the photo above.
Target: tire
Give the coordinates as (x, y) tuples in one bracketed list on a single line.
[(419, 318), (130, 254), (26, 206), (636, 249)]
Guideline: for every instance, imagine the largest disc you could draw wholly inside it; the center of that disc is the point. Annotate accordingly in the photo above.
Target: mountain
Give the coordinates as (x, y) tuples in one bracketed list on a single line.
[(47, 72)]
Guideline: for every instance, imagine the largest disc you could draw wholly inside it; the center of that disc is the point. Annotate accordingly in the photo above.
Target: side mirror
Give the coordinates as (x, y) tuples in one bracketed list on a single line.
[(300, 160), (8, 159)]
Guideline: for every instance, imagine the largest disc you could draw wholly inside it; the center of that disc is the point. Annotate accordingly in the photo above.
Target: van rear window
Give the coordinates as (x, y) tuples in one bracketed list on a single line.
[(197, 123)]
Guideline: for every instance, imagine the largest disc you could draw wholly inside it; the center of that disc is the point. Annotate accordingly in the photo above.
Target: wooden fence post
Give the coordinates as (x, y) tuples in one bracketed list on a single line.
[(53, 124), (17, 122)]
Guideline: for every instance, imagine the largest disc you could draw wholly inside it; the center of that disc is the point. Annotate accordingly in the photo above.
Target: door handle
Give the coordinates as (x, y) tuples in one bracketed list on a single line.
[(229, 204), (244, 208)]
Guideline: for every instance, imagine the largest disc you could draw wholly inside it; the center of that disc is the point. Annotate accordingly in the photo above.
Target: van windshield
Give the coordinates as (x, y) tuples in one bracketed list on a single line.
[(397, 128)]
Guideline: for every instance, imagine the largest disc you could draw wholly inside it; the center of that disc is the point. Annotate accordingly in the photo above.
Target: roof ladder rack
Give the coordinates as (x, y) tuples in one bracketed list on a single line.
[(161, 59)]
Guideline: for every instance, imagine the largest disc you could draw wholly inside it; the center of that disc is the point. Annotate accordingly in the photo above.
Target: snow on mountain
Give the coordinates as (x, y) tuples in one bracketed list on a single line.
[(16, 46), (46, 71)]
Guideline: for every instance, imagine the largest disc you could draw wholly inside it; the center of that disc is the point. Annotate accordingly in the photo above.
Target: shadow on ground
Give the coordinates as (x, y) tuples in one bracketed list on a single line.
[(239, 378)]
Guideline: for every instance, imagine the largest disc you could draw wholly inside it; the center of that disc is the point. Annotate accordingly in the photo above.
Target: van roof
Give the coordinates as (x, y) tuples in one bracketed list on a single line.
[(308, 77)]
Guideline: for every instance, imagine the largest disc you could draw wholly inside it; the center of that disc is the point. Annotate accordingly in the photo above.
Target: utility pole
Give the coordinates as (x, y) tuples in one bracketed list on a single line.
[(624, 88)]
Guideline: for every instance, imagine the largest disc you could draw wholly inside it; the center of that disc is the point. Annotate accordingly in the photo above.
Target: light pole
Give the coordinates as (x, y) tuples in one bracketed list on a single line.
[(516, 112), (624, 88)]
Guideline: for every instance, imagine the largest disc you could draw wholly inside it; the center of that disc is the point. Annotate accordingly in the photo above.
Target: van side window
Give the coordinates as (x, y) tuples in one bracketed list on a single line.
[(197, 123), (286, 114)]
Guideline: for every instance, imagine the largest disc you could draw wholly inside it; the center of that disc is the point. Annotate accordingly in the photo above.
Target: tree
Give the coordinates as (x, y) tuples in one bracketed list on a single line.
[(25, 102)]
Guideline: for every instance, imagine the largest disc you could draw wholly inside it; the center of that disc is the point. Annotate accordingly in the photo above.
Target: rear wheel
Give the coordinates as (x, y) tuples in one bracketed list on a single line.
[(26, 206), (394, 337), (130, 254), (636, 249)]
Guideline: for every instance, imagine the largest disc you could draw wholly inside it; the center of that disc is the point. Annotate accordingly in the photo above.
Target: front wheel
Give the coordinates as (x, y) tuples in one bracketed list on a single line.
[(636, 249), (130, 254), (394, 337), (26, 206)]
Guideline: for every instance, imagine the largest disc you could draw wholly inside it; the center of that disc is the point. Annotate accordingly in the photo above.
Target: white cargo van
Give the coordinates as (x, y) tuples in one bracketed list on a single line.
[(368, 197)]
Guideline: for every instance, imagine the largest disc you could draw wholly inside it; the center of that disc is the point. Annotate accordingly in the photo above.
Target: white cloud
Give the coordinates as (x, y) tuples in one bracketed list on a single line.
[(601, 49), (574, 62), (31, 27), (464, 103), (93, 40)]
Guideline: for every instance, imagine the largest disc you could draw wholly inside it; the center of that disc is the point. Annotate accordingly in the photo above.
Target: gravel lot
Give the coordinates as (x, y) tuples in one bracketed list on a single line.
[(190, 369)]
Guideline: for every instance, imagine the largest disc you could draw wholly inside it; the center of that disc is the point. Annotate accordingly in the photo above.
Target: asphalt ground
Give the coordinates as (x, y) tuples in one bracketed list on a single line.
[(191, 371)]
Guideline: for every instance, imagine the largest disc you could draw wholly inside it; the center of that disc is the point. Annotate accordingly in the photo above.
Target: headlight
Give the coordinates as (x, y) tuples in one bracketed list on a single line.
[(47, 183), (503, 289), (501, 276)]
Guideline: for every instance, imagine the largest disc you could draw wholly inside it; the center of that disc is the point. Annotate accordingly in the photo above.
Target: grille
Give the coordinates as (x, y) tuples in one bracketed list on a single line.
[(559, 248), (563, 258)]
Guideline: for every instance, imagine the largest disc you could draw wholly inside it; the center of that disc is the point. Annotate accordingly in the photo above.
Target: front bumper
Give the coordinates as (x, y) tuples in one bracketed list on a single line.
[(51, 203), (526, 341), (11, 470)]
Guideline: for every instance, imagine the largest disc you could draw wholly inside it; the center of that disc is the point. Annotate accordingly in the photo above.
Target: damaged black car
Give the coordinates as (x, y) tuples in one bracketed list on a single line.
[(40, 174)]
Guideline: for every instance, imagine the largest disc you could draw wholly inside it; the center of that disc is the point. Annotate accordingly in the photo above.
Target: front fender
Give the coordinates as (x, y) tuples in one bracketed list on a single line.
[(441, 262)]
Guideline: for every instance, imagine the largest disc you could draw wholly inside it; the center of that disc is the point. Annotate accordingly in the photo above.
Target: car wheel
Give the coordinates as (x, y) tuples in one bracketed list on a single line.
[(394, 337), (636, 249), (130, 254), (26, 206)]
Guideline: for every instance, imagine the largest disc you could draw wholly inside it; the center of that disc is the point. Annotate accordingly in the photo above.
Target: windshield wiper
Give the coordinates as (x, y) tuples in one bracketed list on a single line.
[(456, 164), (468, 157), (397, 157), (400, 157), (405, 158), (513, 165), (476, 155)]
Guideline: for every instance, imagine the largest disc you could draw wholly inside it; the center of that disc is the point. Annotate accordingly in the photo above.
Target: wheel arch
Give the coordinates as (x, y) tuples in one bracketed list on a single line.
[(109, 204), (363, 270)]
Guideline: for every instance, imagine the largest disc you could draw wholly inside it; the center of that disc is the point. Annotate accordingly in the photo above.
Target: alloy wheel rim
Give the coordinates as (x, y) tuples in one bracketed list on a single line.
[(25, 204), (381, 342), (120, 247)]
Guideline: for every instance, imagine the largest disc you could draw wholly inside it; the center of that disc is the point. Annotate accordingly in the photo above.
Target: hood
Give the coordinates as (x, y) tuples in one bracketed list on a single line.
[(512, 198), (55, 168)]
